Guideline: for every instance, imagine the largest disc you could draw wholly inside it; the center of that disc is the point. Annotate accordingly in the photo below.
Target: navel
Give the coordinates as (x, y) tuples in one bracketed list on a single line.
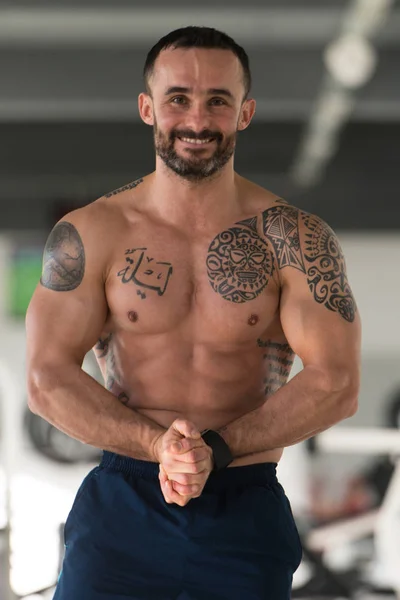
[(253, 319), (133, 316)]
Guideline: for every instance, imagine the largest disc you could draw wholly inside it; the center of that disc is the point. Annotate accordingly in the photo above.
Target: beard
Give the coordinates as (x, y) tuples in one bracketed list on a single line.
[(194, 168)]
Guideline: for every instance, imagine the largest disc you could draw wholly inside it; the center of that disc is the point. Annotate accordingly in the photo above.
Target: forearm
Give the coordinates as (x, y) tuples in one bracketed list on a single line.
[(302, 408), (79, 406)]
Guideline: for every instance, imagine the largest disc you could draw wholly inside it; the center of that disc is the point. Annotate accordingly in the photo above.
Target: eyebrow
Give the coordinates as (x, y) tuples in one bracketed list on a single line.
[(184, 90)]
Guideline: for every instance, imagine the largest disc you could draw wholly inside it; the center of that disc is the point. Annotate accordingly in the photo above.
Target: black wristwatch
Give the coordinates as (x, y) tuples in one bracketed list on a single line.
[(221, 453)]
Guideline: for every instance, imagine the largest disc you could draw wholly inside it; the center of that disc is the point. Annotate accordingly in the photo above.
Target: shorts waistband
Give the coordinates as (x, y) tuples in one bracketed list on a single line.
[(256, 474)]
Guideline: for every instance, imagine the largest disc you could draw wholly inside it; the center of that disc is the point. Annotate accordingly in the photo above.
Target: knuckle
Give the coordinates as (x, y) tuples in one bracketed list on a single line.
[(197, 468), (193, 455)]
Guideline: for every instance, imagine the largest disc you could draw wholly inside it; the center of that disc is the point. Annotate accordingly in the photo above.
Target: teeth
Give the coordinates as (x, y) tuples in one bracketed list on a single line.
[(191, 141)]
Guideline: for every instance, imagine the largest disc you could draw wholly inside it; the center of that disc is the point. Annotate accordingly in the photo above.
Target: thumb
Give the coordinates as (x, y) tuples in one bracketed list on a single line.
[(186, 428)]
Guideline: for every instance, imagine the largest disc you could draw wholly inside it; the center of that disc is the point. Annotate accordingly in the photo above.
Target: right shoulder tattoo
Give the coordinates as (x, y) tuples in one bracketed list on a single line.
[(64, 259)]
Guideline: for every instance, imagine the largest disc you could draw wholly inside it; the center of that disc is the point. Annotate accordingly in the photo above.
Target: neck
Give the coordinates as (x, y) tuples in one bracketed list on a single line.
[(189, 204)]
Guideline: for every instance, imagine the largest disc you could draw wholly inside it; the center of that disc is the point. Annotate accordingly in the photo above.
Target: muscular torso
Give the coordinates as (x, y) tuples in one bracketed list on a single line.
[(193, 328)]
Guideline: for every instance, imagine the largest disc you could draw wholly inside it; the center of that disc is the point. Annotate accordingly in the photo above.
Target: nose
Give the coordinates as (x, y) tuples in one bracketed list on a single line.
[(198, 117)]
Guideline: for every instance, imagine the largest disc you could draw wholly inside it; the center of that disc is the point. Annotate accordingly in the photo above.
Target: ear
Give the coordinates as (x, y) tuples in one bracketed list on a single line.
[(145, 104), (246, 114)]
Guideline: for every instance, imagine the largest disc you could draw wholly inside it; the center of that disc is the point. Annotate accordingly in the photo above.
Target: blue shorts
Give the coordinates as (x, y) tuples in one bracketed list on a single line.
[(237, 541)]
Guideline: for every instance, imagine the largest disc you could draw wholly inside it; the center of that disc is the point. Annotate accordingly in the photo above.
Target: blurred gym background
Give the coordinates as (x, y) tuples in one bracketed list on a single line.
[(326, 136)]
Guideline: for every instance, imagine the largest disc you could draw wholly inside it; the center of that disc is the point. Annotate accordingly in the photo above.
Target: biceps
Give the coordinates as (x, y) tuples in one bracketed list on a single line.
[(318, 333), (68, 309), (63, 326)]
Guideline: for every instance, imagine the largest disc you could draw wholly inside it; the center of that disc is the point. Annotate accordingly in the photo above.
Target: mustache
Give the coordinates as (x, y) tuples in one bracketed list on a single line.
[(206, 134)]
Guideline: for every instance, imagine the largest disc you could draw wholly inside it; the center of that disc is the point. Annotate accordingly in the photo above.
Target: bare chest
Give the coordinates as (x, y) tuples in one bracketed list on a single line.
[(217, 287)]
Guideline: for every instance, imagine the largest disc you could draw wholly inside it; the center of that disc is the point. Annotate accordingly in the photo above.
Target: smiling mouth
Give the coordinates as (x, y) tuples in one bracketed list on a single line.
[(195, 142)]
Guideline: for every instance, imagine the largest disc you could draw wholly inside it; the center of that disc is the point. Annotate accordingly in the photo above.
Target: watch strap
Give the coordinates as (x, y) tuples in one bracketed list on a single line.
[(221, 452)]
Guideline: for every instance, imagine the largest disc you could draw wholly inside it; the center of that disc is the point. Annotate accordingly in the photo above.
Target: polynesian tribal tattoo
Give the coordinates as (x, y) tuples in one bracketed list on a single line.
[(129, 186), (278, 359), (105, 350), (64, 259), (145, 272), (323, 260), (239, 263)]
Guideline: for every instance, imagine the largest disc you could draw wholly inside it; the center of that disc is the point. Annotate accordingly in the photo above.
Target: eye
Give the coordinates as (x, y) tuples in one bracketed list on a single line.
[(217, 101), (178, 100)]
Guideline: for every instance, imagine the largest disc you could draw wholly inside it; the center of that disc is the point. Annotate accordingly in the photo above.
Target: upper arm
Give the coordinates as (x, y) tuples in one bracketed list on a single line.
[(318, 312), (68, 308)]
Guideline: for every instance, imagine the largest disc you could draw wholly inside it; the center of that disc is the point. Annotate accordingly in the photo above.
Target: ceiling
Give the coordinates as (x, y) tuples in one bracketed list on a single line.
[(71, 73)]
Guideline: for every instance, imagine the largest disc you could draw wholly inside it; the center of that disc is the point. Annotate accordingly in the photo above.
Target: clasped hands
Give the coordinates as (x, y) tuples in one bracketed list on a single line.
[(185, 462)]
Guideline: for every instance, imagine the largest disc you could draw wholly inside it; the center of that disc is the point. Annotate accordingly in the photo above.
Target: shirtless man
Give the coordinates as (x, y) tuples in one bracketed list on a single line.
[(195, 288)]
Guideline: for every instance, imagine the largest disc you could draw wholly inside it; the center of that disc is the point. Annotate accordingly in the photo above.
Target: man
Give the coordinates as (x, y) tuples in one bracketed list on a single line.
[(195, 287)]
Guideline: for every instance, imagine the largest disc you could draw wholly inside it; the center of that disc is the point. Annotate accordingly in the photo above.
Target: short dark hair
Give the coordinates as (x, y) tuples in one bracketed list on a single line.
[(197, 37)]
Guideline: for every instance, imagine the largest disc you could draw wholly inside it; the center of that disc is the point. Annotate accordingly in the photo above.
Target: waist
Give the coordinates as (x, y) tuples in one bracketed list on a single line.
[(254, 474)]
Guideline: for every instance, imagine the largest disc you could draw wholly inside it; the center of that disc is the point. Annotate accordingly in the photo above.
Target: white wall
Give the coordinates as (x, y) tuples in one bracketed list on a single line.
[(373, 264)]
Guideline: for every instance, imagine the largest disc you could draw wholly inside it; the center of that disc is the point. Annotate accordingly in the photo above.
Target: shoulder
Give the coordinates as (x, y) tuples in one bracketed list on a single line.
[(309, 258), (107, 212), (301, 240), (88, 222), (293, 232), (82, 238), (76, 246), (297, 236)]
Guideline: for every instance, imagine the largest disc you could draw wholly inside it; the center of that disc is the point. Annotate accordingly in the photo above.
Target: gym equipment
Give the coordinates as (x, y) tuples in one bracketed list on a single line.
[(382, 525), (56, 445)]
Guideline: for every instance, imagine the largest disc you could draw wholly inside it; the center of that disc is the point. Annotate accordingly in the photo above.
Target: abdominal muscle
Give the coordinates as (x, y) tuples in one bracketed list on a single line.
[(183, 391)]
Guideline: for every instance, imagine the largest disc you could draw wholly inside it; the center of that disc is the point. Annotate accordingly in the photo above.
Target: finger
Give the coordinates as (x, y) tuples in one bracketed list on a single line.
[(188, 479), (183, 491), (165, 492), (171, 496), (184, 479), (190, 468), (186, 428), (193, 491), (163, 477), (186, 445), (190, 456), (163, 474)]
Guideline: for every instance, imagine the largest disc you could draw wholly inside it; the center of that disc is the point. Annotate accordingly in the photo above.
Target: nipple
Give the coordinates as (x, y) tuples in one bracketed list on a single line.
[(253, 320), (133, 316)]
